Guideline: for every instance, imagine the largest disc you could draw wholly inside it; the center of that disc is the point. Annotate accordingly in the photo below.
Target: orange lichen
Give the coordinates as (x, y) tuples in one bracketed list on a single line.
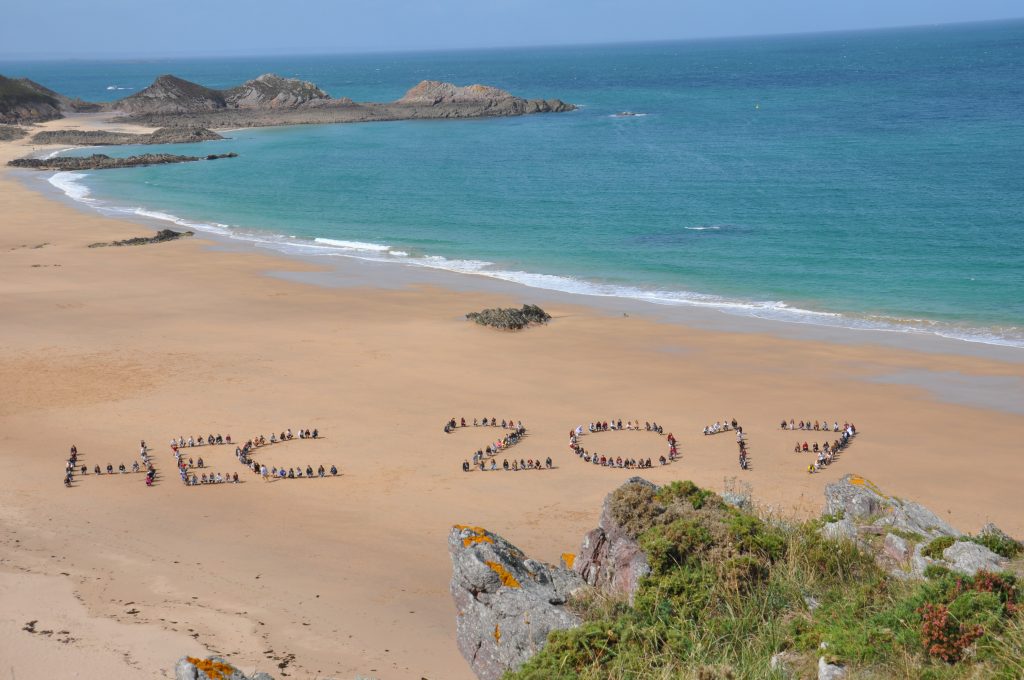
[(214, 670), (497, 634), (479, 535), (507, 579), (569, 559)]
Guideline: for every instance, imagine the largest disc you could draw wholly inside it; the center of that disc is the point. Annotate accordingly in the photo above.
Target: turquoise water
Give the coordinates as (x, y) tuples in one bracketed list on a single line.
[(871, 179)]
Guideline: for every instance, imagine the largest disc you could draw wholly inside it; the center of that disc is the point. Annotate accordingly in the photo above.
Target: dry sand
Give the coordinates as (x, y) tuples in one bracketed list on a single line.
[(345, 576)]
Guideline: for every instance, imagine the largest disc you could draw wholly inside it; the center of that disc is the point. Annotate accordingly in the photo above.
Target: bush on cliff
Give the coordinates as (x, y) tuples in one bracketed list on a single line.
[(729, 590)]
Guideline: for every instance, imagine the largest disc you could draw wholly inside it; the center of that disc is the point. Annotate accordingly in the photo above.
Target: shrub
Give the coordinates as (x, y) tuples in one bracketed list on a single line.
[(943, 636), (937, 546), (1000, 545)]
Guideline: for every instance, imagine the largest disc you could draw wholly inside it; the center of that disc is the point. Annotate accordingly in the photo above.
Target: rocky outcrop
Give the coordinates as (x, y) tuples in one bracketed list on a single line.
[(970, 558), (510, 318), (99, 161), (271, 91), (211, 668), (173, 135), (856, 498), (899, 532), (170, 94), (610, 557), (26, 101), (482, 99), (506, 602), (160, 237), (10, 132)]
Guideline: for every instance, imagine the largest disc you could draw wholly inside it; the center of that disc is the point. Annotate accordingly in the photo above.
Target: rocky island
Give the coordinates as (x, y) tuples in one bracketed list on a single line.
[(172, 102), (99, 161)]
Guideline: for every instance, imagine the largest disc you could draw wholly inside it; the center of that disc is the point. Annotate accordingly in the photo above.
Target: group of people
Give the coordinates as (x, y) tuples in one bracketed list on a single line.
[(620, 462), (291, 473), (514, 466), (807, 425), (607, 425), (827, 453), (481, 457), (209, 440), (509, 424), (72, 466), (722, 426), (242, 453)]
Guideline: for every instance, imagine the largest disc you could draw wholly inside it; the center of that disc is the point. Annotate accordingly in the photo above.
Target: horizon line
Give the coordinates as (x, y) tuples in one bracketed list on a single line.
[(287, 52)]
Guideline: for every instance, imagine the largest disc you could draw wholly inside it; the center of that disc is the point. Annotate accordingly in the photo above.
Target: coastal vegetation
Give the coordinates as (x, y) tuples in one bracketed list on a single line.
[(733, 595)]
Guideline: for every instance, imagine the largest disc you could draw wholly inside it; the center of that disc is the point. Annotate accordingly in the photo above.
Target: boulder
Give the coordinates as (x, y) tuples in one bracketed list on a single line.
[(897, 548), (857, 498), (510, 318), (844, 529), (211, 668), (970, 558), (830, 671), (610, 558), (506, 602)]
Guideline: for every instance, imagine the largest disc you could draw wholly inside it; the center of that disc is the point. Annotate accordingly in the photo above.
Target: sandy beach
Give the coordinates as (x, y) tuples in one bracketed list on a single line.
[(346, 576)]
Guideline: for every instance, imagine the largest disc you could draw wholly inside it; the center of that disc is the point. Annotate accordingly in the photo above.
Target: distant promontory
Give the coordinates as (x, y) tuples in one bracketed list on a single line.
[(172, 102)]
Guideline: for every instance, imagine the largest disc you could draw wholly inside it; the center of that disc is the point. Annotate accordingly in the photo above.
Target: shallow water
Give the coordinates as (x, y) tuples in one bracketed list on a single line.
[(871, 179)]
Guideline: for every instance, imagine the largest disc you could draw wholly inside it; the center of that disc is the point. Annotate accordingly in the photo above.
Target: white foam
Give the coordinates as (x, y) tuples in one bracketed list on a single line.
[(710, 228), (776, 310), (70, 184), (354, 245)]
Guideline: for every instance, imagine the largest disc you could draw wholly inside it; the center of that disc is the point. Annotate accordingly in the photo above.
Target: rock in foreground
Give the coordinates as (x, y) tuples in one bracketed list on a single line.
[(506, 603), (610, 557), (510, 318), (211, 668)]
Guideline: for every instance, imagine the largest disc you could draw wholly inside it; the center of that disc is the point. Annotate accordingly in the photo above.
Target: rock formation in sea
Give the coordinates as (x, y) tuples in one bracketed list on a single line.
[(273, 100), (99, 161), (173, 135)]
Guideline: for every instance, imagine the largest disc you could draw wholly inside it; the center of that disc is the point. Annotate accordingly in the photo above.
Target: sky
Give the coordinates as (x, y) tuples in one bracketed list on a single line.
[(144, 28)]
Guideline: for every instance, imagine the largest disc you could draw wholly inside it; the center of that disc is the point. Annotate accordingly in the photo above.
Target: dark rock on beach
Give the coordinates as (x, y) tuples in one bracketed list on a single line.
[(510, 318), (99, 161), (172, 135), (160, 237)]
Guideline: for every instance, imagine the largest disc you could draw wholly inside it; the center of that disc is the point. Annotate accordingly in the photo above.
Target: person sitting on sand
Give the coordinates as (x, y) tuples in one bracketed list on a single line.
[(334, 470), (320, 471), (135, 466), (309, 471), (547, 463)]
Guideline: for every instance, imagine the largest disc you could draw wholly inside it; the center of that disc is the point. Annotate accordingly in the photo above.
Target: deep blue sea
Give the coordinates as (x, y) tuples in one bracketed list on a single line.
[(856, 179)]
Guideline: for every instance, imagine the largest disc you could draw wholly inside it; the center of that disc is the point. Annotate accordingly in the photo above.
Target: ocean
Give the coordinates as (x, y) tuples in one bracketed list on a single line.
[(862, 180)]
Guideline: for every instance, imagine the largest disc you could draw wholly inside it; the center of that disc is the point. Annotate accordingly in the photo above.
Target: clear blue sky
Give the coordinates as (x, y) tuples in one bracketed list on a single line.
[(146, 28)]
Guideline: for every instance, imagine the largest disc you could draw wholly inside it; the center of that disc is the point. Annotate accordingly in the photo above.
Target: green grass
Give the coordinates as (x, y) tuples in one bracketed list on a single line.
[(13, 93), (728, 590)]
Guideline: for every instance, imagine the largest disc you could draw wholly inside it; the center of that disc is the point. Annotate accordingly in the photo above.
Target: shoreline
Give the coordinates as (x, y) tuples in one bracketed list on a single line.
[(107, 346), (703, 310)]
